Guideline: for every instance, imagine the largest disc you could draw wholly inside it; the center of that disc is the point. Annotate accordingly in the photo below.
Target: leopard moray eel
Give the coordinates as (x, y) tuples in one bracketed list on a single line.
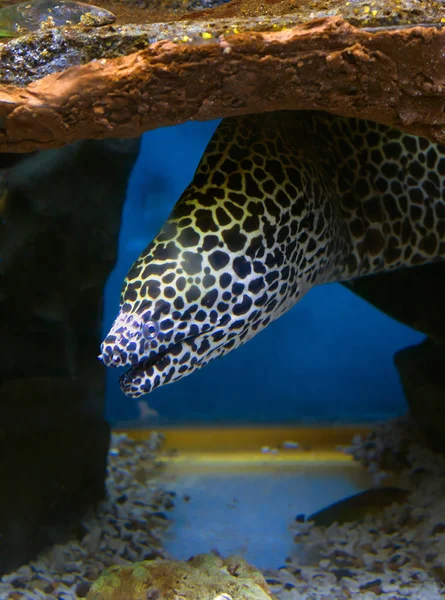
[(280, 202)]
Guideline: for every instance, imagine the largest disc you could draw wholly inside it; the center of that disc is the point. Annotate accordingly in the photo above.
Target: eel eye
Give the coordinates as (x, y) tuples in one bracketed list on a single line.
[(150, 330)]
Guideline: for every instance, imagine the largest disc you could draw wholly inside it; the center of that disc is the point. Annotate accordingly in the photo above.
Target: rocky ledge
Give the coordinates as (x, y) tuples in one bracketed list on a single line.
[(375, 59)]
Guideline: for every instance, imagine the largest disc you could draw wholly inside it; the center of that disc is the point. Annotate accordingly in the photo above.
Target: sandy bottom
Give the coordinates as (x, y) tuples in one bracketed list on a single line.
[(244, 505), (399, 554)]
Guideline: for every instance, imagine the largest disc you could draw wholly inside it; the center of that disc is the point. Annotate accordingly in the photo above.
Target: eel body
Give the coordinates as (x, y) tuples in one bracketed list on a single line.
[(280, 202)]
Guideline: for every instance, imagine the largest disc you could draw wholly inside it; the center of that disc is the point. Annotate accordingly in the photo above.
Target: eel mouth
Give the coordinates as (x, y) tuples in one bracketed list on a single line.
[(164, 367)]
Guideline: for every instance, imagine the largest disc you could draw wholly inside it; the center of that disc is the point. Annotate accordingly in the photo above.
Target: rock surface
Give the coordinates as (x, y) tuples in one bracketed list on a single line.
[(53, 458), (203, 577), (59, 223), (416, 297), (382, 63), (422, 372)]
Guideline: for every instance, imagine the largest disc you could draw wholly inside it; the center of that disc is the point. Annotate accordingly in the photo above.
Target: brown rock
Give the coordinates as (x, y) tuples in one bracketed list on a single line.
[(374, 586), (244, 57), (203, 576)]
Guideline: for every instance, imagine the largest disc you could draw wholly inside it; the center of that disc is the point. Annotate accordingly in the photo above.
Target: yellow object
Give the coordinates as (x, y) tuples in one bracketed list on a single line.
[(254, 439)]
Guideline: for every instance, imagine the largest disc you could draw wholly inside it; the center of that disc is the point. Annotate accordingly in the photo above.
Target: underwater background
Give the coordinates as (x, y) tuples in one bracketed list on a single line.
[(329, 359)]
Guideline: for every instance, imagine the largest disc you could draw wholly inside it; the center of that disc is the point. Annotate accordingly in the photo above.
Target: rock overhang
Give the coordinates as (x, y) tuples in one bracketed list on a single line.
[(379, 60)]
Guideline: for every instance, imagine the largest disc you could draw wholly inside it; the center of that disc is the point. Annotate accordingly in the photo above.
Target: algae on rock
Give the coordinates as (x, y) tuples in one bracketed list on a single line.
[(202, 576)]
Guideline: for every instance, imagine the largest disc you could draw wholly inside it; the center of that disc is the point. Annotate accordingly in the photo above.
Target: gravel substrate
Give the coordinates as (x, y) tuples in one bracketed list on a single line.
[(397, 555), (125, 529)]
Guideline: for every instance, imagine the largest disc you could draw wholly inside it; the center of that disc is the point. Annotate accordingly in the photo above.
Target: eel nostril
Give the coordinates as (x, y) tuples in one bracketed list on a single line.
[(116, 357)]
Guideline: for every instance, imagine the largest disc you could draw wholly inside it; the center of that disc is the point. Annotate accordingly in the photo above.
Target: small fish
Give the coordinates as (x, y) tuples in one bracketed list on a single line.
[(359, 505), (31, 16)]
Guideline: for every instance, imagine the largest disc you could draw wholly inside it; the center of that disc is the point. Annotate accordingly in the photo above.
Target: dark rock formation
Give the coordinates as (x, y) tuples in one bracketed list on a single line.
[(381, 62), (59, 222), (422, 372), (416, 297)]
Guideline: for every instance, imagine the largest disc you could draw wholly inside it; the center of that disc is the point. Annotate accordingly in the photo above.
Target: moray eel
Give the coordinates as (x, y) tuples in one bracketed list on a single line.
[(280, 202)]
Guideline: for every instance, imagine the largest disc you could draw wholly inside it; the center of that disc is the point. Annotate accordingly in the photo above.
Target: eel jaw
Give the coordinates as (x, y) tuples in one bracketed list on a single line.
[(142, 378), (176, 361)]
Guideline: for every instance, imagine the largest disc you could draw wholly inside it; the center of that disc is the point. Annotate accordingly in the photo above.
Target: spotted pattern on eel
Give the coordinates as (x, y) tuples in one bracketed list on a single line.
[(280, 202)]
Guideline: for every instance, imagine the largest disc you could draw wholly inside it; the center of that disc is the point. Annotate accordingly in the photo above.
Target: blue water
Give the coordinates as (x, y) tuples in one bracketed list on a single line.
[(329, 359)]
